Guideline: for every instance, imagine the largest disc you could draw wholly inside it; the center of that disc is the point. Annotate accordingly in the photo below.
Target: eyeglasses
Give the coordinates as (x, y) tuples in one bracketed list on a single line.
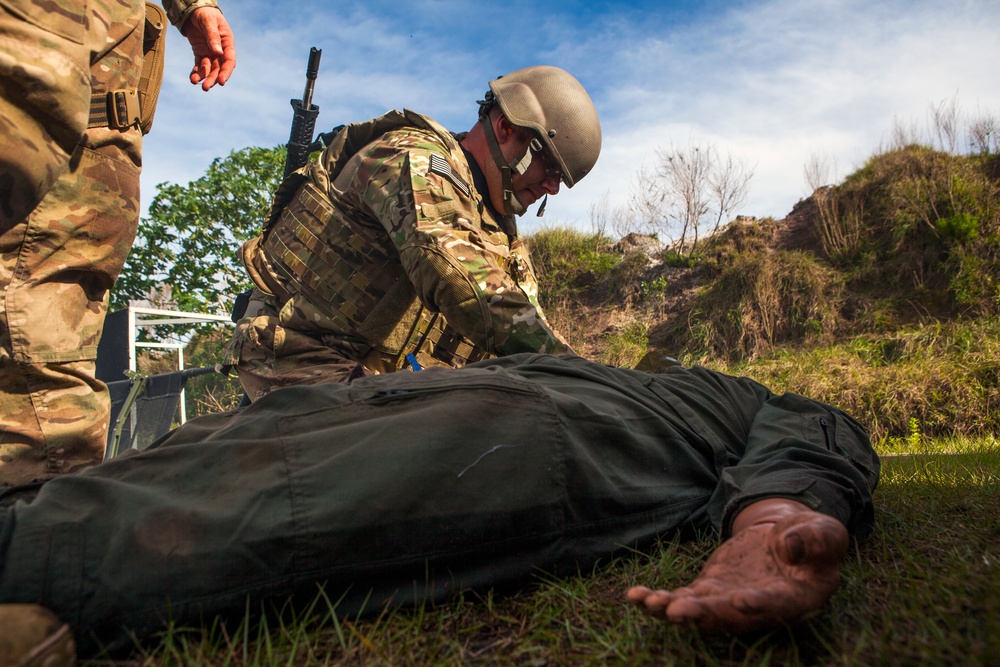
[(550, 165)]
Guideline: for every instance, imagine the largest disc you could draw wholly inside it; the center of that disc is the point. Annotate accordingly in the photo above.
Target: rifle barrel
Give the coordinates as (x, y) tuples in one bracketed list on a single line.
[(312, 70), (304, 114)]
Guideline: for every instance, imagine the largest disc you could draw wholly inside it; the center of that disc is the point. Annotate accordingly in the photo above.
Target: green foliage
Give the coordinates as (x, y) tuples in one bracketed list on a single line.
[(961, 227), (568, 261), (190, 240), (943, 376), (670, 257), (915, 437), (654, 289), (974, 280), (917, 224), (625, 348)]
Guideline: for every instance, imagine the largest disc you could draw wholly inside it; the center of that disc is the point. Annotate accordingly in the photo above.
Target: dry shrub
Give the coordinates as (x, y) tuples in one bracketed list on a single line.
[(564, 314), (567, 261), (921, 225), (840, 222), (763, 298)]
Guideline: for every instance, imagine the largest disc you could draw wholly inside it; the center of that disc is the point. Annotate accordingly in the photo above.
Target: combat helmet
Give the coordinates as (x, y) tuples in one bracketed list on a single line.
[(554, 105)]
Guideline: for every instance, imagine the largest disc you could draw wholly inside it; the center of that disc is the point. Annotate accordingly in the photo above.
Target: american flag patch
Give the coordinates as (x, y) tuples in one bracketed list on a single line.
[(441, 166)]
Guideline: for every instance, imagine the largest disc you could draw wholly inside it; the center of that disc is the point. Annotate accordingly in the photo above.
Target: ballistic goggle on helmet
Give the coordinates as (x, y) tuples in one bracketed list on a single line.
[(554, 105)]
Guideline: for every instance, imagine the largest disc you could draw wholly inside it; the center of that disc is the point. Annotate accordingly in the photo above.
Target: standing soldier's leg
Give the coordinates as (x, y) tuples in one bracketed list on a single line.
[(56, 268), (44, 98)]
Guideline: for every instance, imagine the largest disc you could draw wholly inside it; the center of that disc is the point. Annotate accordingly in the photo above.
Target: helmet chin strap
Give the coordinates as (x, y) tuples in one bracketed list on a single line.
[(512, 206)]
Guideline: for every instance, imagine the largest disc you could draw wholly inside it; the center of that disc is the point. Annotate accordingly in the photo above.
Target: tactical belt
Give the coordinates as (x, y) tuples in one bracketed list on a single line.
[(118, 109), (134, 107)]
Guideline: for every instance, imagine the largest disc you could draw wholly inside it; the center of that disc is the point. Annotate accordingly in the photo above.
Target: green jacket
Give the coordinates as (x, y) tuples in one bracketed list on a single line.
[(413, 486)]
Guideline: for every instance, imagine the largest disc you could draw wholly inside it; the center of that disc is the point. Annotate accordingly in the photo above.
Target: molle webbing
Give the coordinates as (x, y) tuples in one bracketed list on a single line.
[(353, 275), (342, 143)]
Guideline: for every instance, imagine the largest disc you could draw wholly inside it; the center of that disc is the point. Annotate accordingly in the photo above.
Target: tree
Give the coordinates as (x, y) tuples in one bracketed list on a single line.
[(689, 190), (684, 175), (186, 250), (729, 186)]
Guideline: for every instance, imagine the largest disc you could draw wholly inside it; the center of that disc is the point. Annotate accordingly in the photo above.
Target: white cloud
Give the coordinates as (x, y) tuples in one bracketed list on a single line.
[(772, 81)]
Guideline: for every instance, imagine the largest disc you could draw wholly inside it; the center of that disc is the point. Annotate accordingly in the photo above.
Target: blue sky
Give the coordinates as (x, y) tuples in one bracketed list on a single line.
[(772, 82)]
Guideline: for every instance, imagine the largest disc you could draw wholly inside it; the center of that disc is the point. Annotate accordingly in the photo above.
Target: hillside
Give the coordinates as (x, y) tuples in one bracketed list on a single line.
[(880, 294), (602, 312)]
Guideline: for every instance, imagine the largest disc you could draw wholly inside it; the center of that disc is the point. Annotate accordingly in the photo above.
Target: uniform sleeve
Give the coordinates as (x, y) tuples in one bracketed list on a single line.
[(774, 446), (178, 11), (796, 448), (459, 264)]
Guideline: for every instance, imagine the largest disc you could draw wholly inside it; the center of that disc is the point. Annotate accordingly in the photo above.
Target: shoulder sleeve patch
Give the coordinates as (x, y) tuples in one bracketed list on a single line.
[(442, 167)]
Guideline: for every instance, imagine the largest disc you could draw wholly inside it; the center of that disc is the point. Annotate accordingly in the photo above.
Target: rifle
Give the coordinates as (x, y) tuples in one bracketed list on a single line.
[(300, 140), (300, 145)]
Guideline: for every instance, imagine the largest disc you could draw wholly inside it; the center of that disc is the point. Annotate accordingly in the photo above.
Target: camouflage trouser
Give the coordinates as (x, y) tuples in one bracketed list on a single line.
[(70, 204), (268, 356)]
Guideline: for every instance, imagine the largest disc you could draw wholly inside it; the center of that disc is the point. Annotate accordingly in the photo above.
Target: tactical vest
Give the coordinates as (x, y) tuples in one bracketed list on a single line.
[(349, 272)]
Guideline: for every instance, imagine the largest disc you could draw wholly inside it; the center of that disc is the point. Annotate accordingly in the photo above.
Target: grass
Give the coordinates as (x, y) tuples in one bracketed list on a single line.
[(938, 379), (924, 589)]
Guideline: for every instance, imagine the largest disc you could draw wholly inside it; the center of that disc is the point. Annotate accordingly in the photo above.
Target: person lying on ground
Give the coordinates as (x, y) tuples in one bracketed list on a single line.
[(410, 487)]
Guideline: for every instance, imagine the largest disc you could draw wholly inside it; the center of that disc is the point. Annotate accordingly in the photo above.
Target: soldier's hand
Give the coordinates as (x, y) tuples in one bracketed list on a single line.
[(213, 45)]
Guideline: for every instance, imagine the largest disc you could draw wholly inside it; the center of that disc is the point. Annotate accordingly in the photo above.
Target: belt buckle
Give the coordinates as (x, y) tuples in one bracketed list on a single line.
[(124, 110)]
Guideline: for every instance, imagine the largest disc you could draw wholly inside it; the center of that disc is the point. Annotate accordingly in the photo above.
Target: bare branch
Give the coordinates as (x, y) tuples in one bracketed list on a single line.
[(983, 133), (820, 171), (729, 182), (946, 121), (691, 188)]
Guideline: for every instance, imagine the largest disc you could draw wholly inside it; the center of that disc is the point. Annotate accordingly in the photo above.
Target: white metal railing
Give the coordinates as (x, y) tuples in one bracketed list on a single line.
[(137, 317)]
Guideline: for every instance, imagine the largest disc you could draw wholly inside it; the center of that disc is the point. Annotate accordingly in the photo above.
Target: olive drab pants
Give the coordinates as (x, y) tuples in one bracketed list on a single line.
[(412, 486), (69, 208)]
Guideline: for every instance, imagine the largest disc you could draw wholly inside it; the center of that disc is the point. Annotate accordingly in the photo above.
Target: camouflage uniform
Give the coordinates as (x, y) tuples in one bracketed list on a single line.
[(383, 247), (69, 208)]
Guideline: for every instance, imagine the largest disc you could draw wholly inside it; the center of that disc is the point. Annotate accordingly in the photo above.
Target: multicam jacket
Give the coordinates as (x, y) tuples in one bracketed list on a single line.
[(178, 11), (387, 247)]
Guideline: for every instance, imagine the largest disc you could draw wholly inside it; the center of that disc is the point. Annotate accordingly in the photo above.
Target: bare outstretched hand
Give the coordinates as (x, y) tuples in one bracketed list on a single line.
[(775, 571)]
